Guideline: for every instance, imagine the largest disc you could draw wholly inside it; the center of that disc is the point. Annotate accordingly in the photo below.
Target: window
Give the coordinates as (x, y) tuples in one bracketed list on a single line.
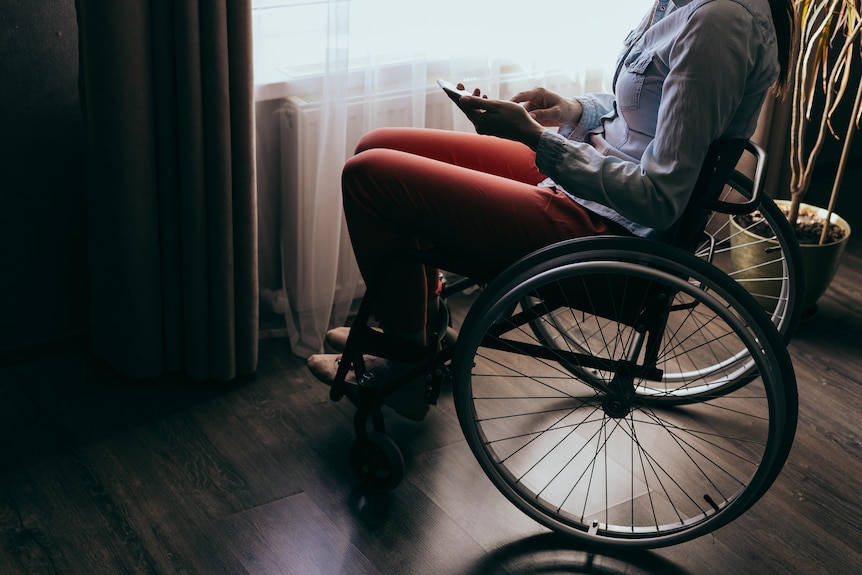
[(294, 38)]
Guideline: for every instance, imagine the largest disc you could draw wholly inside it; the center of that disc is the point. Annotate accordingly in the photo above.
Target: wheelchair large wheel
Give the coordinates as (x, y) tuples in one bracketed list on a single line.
[(767, 264), (596, 458)]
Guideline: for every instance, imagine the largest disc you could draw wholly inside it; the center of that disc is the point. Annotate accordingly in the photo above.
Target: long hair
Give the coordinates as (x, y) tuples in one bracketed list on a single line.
[(784, 19)]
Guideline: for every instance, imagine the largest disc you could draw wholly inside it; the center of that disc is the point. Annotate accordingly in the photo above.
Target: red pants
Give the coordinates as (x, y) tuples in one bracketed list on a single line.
[(474, 196)]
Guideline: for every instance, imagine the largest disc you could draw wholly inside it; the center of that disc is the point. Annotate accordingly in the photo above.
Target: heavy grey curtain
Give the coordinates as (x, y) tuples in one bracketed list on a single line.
[(166, 91)]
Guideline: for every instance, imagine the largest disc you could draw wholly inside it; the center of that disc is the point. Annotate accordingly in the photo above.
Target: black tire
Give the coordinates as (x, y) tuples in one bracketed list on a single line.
[(600, 460), (377, 462)]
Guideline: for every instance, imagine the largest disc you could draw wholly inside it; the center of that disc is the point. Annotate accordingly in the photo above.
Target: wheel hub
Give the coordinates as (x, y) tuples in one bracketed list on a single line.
[(616, 405), (618, 401)]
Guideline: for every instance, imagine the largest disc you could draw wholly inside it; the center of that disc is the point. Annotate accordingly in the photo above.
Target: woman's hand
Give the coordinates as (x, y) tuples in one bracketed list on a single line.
[(501, 118), (550, 109)]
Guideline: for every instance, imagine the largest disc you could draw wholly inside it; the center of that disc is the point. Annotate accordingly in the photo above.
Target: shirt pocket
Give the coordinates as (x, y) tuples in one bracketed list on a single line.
[(631, 81)]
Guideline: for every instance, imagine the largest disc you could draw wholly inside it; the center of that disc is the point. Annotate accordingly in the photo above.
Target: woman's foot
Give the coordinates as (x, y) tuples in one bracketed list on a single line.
[(408, 400), (336, 338)]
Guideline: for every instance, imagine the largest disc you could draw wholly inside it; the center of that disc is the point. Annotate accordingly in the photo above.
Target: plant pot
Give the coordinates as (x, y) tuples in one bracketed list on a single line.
[(819, 262)]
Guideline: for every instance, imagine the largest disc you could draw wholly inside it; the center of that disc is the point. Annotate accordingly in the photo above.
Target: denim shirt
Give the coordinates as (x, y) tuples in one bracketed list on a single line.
[(699, 73)]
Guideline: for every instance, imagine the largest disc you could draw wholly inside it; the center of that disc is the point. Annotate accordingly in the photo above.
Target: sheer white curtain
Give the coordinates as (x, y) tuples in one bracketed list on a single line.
[(374, 63)]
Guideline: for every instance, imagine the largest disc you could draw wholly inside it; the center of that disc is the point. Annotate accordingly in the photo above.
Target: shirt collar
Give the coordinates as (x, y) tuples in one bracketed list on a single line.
[(661, 8)]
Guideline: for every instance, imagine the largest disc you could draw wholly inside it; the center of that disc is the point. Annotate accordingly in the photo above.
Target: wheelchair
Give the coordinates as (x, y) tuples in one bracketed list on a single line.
[(626, 392)]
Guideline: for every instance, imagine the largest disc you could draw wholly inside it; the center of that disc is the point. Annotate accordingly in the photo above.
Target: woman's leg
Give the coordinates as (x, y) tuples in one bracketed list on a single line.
[(400, 200), (493, 156), (490, 155)]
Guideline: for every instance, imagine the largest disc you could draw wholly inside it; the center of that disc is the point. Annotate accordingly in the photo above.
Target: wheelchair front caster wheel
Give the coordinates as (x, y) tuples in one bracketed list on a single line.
[(377, 462)]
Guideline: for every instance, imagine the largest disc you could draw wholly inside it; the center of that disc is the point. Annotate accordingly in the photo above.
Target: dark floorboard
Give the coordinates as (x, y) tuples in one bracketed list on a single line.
[(103, 475)]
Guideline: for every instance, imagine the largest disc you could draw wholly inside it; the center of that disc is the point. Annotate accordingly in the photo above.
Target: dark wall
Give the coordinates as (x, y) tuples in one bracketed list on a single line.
[(43, 292)]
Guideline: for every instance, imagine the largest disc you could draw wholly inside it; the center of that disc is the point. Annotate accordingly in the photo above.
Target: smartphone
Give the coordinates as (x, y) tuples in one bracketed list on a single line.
[(452, 90)]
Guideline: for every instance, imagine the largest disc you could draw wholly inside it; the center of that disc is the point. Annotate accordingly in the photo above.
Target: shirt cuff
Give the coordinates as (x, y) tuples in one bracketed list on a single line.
[(549, 152), (590, 118)]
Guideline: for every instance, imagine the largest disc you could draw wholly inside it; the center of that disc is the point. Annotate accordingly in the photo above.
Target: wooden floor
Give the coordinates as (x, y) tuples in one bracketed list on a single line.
[(100, 475)]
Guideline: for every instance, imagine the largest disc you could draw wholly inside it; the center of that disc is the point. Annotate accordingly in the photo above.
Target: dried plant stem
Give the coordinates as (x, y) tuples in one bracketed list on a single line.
[(842, 164), (816, 64)]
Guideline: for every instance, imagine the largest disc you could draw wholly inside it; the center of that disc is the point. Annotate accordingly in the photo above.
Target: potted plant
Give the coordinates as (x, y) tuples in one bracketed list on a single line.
[(829, 33)]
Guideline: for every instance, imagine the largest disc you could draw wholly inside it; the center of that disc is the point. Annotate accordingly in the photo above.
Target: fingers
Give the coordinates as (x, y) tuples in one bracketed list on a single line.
[(532, 99), (526, 96), (476, 91)]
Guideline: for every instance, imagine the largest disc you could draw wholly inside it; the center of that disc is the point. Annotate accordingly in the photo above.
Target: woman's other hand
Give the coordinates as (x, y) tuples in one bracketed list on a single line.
[(549, 108)]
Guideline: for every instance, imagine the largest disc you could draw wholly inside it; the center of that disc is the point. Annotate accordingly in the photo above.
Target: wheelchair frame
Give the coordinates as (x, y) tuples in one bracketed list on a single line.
[(612, 374)]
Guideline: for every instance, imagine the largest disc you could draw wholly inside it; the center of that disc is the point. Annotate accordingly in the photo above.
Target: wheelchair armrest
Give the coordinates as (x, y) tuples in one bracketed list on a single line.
[(755, 185)]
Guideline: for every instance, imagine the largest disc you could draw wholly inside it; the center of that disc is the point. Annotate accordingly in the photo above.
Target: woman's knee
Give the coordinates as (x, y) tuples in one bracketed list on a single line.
[(363, 162), (377, 138), (360, 172)]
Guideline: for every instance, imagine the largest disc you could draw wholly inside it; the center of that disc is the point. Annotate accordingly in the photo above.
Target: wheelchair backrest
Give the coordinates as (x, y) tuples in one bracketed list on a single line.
[(717, 169)]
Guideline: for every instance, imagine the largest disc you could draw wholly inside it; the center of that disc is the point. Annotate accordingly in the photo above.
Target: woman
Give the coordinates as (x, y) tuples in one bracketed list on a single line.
[(694, 71)]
